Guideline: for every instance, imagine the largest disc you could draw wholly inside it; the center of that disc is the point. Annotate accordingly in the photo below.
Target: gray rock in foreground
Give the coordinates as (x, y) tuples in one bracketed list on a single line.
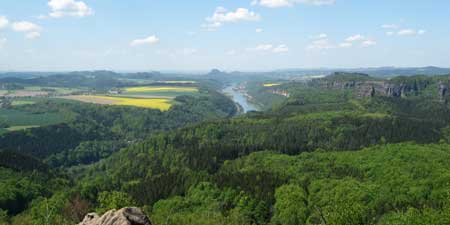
[(125, 216)]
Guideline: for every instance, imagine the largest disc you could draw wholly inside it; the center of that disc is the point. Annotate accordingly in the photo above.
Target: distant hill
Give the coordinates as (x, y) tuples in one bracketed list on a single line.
[(376, 71), (345, 77), (91, 79), (25, 75), (393, 71)]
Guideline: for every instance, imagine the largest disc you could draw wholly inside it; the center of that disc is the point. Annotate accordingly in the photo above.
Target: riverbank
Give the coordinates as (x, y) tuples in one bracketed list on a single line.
[(239, 97)]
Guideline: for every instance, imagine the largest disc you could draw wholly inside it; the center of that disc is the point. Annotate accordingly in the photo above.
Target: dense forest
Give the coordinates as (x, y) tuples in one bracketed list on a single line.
[(346, 149)]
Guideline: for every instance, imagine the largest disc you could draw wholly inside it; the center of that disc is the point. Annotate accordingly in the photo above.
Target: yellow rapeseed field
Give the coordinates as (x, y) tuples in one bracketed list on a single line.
[(178, 81), (161, 89), (154, 103), (271, 84)]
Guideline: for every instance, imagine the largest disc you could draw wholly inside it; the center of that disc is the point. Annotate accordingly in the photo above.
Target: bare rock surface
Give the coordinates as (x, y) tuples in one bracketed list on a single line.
[(125, 216)]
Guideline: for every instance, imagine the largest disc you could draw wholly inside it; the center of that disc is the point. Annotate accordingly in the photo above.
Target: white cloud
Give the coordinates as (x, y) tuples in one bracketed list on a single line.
[(4, 22), (324, 43), (32, 30), (389, 26), (148, 40), (62, 8), (365, 41), (263, 47), (395, 30), (368, 43), (25, 26), (345, 45), (222, 16), (280, 49), (320, 44), (259, 30), (270, 48), (33, 35), (357, 37), (323, 35), (272, 3), (406, 32), (410, 32), (287, 3)]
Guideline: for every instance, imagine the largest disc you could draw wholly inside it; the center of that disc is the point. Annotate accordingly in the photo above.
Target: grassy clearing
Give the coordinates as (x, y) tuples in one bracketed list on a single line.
[(56, 90), (18, 120), (16, 128), (22, 102), (154, 103)]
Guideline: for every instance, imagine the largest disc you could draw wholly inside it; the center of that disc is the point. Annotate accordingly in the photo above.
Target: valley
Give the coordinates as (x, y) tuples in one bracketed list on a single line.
[(240, 97), (249, 112), (347, 148)]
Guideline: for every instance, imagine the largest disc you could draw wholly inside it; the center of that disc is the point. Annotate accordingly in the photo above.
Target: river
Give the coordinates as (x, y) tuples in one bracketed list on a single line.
[(239, 98)]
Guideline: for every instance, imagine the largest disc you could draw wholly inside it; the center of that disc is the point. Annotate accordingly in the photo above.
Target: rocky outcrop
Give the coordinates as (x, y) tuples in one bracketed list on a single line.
[(394, 90), (443, 91), (125, 216), (397, 87)]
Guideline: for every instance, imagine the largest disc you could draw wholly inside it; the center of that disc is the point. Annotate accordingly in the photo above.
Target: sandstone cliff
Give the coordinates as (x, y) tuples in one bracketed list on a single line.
[(125, 216)]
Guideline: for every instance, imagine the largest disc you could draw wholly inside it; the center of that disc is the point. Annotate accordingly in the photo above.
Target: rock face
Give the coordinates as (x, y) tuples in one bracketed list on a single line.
[(125, 216), (444, 90)]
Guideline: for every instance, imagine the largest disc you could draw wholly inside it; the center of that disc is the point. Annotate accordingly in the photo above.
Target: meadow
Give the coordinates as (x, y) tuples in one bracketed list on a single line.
[(55, 90), (25, 101), (38, 91), (19, 120)]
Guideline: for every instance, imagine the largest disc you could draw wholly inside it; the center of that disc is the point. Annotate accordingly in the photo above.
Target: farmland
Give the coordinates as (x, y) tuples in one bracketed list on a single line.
[(166, 91), (37, 91), (25, 101), (271, 84), (177, 82), (24, 93), (155, 97), (161, 89), (19, 120), (155, 103)]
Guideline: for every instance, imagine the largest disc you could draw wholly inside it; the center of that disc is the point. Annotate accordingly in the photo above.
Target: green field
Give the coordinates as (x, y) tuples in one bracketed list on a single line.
[(57, 90), (19, 120), (23, 102)]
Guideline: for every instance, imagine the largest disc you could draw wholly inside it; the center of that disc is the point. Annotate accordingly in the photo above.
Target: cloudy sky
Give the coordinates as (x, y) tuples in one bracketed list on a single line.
[(61, 35)]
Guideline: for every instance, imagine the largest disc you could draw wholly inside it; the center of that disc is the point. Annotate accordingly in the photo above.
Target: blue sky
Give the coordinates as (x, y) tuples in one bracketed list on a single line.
[(138, 35)]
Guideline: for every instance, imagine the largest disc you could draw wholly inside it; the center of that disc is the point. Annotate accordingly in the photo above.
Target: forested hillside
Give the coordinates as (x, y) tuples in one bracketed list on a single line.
[(324, 154)]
